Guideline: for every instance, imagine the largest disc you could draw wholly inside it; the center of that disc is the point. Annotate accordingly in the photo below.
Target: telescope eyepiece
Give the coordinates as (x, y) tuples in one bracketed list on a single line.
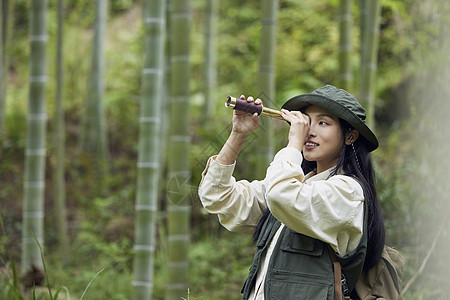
[(231, 102)]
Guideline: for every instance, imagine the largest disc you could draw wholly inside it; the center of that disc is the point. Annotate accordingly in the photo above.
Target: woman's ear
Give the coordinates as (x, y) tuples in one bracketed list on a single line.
[(351, 136)]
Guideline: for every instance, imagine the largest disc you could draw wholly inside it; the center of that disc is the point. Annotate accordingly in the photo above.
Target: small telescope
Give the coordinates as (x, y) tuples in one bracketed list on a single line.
[(251, 108)]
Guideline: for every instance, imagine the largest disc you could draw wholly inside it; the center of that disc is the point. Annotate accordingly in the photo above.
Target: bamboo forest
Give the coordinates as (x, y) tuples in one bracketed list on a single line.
[(110, 110)]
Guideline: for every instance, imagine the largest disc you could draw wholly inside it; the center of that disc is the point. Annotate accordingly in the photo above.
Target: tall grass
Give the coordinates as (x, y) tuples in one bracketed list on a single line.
[(11, 288)]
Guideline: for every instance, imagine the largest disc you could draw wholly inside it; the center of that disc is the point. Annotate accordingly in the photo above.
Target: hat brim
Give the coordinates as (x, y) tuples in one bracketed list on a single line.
[(301, 101)]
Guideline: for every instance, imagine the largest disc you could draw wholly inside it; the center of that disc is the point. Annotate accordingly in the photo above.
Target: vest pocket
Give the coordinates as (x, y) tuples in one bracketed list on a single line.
[(289, 285), (300, 243)]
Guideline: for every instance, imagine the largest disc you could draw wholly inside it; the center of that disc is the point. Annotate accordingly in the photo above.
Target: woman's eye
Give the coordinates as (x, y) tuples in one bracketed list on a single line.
[(323, 123)]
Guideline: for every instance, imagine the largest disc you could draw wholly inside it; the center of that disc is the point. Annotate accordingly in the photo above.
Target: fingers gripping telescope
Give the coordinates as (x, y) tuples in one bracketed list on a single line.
[(251, 108)]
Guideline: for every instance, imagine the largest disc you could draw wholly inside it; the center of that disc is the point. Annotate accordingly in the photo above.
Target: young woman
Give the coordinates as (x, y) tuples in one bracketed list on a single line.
[(317, 199)]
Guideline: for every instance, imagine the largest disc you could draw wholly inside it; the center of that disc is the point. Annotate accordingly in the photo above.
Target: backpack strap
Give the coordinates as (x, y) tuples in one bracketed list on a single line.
[(394, 264), (338, 278)]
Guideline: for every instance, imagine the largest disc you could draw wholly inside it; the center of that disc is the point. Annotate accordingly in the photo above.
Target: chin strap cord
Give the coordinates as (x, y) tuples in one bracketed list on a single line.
[(353, 147)]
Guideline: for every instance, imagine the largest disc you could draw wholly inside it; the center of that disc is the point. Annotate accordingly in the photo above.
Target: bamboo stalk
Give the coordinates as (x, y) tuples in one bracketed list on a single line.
[(34, 183), (265, 150), (362, 5), (95, 137), (149, 149), (60, 184), (3, 24), (345, 44), (179, 205), (369, 59), (210, 56)]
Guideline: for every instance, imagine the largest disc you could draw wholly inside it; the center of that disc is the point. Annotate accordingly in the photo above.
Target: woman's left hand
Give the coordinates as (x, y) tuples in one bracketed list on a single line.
[(299, 130)]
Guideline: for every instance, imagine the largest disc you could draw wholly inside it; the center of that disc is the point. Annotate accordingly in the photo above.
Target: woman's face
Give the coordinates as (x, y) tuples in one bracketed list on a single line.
[(324, 141)]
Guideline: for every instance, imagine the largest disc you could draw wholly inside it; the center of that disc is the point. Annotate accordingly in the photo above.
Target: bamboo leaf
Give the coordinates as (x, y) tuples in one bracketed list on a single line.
[(14, 286), (45, 267), (59, 290), (90, 282)]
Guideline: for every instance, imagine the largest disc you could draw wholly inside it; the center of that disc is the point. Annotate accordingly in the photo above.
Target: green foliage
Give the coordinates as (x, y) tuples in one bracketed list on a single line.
[(80, 12), (411, 31), (20, 12), (101, 226), (307, 47), (11, 287), (102, 250), (9, 283), (90, 282), (220, 262)]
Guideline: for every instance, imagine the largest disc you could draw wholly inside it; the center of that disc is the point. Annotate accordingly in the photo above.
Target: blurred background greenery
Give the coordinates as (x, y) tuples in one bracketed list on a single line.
[(411, 118)]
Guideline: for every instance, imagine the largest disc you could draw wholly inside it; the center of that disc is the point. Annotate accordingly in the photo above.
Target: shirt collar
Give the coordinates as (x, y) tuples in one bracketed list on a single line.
[(312, 176)]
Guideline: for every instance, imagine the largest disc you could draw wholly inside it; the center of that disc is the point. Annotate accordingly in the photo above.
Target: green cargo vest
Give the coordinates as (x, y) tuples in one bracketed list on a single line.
[(300, 266)]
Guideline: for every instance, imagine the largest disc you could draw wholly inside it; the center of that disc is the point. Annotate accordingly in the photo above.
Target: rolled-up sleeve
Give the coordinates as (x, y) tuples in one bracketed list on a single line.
[(238, 204), (330, 209)]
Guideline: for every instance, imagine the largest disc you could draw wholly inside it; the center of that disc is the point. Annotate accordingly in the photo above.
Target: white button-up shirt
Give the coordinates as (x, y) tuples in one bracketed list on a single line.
[(328, 208)]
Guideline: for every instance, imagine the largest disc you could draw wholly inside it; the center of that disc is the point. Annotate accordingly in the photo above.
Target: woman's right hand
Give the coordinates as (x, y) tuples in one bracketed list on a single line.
[(298, 131), (243, 122)]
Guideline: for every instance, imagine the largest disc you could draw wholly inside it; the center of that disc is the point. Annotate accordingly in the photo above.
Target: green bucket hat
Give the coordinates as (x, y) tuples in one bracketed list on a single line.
[(340, 103)]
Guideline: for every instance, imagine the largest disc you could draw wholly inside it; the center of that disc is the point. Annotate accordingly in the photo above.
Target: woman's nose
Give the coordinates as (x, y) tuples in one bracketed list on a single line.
[(311, 131)]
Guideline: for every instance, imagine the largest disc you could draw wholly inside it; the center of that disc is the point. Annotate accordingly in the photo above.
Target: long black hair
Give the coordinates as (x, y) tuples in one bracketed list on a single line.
[(355, 161)]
